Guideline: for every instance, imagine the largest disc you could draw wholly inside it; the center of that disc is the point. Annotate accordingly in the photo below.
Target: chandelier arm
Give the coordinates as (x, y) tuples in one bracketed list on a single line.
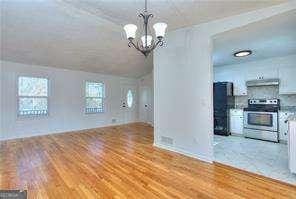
[(158, 43), (150, 15), (139, 47), (141, 15), (131, 43), (136, 46), (146, 51)]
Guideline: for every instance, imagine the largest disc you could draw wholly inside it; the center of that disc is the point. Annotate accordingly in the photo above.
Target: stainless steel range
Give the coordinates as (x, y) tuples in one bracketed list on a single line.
[(261, 119)]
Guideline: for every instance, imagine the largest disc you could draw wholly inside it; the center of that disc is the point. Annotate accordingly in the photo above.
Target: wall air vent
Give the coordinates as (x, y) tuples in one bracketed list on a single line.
[(113, 120), (166, 140)]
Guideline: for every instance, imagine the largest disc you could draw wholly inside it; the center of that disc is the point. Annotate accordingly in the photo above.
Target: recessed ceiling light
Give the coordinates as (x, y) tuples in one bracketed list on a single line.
[(242, 53)]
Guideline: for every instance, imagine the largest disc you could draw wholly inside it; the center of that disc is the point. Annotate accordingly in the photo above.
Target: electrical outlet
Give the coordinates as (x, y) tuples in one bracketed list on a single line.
[(113, 120)]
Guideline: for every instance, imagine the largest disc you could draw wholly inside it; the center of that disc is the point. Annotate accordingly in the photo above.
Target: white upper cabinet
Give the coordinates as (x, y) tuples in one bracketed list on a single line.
[(287, 77), (262, 73), (239, 84), (283, 68)]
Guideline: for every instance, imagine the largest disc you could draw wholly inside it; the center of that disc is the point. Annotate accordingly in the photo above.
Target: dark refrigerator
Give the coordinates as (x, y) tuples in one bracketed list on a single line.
[(223, 102)]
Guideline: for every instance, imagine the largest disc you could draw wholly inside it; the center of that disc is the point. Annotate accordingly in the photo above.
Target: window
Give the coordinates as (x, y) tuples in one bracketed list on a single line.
[(129, 98), (32, 96), (95, 93)]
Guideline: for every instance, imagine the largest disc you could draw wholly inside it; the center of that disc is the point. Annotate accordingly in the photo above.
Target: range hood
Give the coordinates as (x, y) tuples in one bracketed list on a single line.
[(263, 82)]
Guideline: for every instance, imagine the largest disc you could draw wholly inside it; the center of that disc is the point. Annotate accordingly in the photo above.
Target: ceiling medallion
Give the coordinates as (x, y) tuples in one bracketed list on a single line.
[(147, 43)]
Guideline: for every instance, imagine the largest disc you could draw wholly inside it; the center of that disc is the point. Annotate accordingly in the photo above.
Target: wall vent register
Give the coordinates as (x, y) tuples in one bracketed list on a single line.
[(166, 140)]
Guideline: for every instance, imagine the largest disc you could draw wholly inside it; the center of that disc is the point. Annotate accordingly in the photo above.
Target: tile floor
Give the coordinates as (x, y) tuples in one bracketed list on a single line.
[(261, 157)]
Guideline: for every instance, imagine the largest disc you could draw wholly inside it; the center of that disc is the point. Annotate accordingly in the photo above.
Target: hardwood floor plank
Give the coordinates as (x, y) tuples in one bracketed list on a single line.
[(121, 162)]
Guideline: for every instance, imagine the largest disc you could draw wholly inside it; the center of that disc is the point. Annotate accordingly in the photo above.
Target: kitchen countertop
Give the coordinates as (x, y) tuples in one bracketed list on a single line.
[(292, 117), (288, 108), (283, 108), (239, 107), (235, 109)]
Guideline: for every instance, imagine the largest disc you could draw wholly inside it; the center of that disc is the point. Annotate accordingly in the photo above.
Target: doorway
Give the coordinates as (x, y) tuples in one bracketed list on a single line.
[(146, 105), (129, 103), (252, 118)]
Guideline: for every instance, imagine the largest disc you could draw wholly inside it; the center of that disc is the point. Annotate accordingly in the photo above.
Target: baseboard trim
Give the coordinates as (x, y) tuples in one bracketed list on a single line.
[(65, 131), (242, 135), (184, 152), (151, 124)]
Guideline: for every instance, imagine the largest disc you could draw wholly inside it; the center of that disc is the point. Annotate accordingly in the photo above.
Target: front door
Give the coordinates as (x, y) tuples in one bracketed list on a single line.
[(129, 103)]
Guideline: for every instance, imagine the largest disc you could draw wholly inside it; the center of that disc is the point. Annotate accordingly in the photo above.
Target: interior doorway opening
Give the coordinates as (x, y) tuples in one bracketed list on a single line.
[(254, 96)]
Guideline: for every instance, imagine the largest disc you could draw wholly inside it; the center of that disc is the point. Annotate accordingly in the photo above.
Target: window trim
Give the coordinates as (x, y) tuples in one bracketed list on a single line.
[(103, 98), (19, 96)]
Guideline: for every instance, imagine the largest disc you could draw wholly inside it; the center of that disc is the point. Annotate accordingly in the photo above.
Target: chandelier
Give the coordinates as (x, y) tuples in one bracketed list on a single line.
[(147, 43)]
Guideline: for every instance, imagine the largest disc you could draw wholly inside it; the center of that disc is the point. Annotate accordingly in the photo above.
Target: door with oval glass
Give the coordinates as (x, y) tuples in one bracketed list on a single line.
[(128, 103)]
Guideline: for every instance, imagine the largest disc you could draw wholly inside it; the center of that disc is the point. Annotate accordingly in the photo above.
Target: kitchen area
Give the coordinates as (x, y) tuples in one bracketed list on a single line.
[(255, 98)]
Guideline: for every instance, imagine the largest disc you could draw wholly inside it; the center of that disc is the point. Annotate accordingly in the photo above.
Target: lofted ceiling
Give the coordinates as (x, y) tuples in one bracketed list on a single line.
[(269, 38), (87, 34)]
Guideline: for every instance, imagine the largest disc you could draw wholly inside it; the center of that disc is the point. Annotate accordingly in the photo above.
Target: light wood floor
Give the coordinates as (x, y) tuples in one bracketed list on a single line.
[(120, 162)]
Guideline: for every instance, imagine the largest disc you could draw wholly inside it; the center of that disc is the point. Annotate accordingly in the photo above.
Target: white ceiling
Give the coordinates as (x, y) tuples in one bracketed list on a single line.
[(87, 34), (272, 37)]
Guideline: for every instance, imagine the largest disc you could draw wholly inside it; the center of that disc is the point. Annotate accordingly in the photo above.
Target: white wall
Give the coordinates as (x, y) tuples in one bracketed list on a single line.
[(146, 98), (66, 101), (1, 98), (183, 84)]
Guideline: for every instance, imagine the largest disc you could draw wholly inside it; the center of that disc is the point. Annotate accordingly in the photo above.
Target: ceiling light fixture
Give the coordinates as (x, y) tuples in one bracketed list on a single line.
[(242, 53), (146, 44)]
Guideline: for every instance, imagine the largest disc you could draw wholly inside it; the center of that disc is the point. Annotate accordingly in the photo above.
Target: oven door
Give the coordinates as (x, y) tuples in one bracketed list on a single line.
[(267, 121)]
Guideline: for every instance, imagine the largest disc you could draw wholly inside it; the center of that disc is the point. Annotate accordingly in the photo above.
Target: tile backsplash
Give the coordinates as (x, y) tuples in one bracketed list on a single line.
[(268, 92)]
